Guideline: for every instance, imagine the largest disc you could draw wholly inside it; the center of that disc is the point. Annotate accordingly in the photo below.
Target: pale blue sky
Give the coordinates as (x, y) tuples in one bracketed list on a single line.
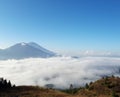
[(61, 24)]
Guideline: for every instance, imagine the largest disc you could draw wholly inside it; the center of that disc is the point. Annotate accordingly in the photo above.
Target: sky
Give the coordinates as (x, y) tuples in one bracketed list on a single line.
[(61, 25)]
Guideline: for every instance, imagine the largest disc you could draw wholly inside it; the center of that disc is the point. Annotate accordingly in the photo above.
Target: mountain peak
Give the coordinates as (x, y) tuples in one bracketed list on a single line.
[(23, 44), (25, 50)]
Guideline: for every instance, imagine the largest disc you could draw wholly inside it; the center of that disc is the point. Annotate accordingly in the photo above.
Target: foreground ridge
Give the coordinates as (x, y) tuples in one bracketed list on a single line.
[(105, 87)]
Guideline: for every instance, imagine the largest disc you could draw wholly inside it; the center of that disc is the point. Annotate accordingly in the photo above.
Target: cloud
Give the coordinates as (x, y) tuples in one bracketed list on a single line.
[(91, 53), (60, 71)]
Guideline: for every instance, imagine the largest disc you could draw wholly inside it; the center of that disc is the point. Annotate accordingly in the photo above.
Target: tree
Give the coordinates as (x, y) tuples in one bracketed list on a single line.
[(86, 86), (4, 83), (9, 84)]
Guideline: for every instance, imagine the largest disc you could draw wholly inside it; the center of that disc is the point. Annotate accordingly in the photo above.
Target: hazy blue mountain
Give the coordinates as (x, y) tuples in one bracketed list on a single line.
[(39, 47), (25, 50)]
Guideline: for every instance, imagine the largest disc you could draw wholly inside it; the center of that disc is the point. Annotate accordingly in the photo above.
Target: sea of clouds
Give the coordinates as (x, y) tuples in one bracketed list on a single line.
[(60, 71)]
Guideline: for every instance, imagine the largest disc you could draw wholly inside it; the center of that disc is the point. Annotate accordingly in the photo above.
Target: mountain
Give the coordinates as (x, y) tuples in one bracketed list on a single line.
[(39, 47), (25, 50)]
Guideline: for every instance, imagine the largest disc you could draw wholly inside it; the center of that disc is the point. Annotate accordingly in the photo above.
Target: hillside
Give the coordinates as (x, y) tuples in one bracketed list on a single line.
[(31, 91), (105, 87)]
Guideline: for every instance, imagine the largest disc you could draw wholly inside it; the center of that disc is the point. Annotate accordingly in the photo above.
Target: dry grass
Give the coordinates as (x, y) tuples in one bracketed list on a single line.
[(31, 91), (105, 87), (102, 88)]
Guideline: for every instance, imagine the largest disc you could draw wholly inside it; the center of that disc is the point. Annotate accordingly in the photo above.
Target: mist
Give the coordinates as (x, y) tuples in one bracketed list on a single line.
[(59, 71)]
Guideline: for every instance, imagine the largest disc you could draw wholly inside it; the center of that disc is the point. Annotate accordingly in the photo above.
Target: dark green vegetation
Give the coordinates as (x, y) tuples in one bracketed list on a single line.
[(105, 87), (4, 84)]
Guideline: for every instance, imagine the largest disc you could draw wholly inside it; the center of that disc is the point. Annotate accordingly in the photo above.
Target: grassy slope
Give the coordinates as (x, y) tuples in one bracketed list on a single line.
[(31, 91), (107, 87)]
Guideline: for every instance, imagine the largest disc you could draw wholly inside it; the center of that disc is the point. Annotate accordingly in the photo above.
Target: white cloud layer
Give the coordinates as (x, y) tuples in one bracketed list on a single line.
[(91, 53), (60, 71)]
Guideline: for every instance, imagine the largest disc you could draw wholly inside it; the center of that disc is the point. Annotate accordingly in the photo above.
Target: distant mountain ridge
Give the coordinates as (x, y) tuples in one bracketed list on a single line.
[(25, 50)]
